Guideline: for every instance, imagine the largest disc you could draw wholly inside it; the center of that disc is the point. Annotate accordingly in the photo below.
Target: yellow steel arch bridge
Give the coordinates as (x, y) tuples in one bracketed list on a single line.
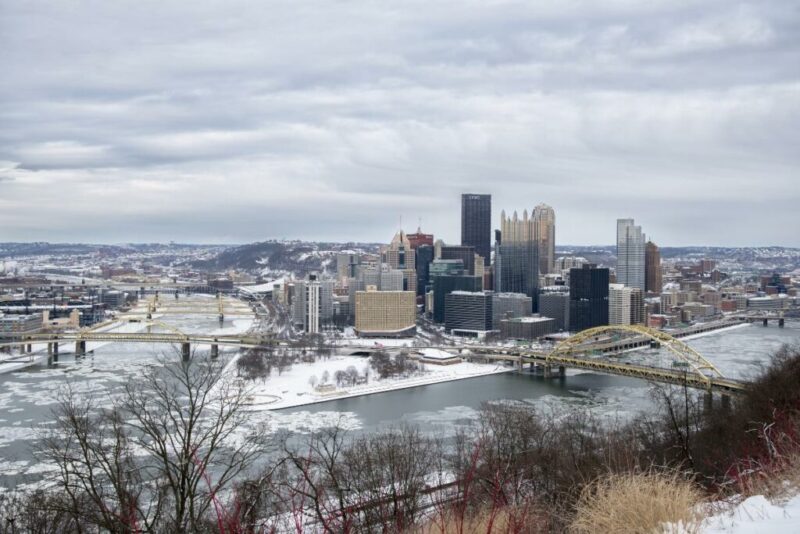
[(584, 351)]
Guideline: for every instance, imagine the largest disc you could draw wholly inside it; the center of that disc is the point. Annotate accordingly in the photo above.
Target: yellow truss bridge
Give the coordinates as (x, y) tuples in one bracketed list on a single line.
[(165, 333), (580, 352)]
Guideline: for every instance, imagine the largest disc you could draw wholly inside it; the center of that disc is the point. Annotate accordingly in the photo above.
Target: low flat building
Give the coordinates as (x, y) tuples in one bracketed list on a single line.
[(385, 313), (527, 328), (15, 325), (508, 306)]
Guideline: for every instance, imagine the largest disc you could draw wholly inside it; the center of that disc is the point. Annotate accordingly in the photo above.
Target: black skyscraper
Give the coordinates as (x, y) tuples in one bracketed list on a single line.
[(476, 224), (588, 297), (516, 269), (423, 263)]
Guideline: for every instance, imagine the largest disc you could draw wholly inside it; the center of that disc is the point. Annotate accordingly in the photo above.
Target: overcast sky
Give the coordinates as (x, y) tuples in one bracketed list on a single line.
[(236, 121)]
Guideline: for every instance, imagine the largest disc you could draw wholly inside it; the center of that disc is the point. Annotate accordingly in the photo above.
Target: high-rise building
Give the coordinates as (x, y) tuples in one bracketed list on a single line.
[(630, 254), (516, 264), (311, 323), (476, 224), (625, 305), (418, 239), (652, 267), (443, 284), (544, 224), (385, 313), (312, 303), (554, 303), (347, 265), (464, 253), (468, 312), (399, 255), (424, 258), (588, 297)]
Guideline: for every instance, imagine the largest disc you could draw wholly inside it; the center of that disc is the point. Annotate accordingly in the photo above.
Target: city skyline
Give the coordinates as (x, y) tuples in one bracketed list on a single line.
[(242, 122)]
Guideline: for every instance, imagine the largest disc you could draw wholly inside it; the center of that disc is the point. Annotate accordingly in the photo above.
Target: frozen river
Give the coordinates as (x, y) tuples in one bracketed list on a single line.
[(28, 397)]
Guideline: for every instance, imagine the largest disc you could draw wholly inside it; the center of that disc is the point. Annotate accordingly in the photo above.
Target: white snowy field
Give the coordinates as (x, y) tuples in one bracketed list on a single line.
[(754, 515), (294, 386)]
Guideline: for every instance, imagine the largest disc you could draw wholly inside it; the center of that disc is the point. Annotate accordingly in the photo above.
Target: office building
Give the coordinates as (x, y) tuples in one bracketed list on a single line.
[(555, 304), (424, 259), (652, 269), (444, 284), (112, 298), (565, 263), (385, 313), (630, 254), (399, 255), (14, 325), (313, 295), (516, 264), (347, 265), (468, 313), (625, 305), (588, 297), (476, 224), (418, 239), (526, 328), (312, 303), (464, 253), (544, 228), (508, 306)]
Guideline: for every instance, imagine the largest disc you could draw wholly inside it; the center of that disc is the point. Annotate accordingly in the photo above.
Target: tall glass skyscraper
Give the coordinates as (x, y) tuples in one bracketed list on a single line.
[(544, 224), (588, 297), (516, 269), (476, 224), (630, 254)]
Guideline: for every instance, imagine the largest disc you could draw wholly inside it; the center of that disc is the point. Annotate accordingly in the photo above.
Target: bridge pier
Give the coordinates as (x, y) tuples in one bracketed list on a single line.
[(548, 371), (186, 352), (29, 347), (562, 371), (708, 401), (726, 402), (55, 351), (766, 322), (80, 348), (781, 322), (214, 352)]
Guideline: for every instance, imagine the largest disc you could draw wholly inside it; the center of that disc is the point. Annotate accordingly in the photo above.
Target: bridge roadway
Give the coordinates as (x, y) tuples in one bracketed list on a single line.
[(678, 376), (517, 356)]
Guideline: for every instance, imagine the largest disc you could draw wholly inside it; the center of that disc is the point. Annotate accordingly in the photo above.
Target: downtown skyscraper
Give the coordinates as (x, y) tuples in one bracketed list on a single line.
[(544, 230), (516, 267), (476, 224), (630, 254)]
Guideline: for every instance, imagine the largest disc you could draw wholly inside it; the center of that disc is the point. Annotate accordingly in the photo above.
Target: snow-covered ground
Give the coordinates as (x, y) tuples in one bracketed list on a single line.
[(754, 515), (294, 386), (757, 515)]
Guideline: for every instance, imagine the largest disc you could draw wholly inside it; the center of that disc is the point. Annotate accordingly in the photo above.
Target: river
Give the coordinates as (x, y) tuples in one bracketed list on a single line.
[(28, 397)]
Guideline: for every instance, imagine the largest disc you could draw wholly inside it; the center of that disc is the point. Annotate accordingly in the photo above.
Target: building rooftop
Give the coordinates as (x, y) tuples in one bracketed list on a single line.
[(529, 319)]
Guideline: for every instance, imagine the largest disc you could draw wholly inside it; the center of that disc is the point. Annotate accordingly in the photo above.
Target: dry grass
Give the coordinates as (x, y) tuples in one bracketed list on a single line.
[(636, 504), (505, 520), (779, 481)]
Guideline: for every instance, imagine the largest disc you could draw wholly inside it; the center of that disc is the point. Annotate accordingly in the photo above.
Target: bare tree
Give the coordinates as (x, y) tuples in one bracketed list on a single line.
[(160, 457)]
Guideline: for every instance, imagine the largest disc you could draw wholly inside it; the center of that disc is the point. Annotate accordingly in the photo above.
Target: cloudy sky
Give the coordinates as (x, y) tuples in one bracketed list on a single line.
[(239, 121)]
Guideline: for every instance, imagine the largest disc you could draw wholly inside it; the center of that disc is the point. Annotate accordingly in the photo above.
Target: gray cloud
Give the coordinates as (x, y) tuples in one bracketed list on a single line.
[(332, 120)]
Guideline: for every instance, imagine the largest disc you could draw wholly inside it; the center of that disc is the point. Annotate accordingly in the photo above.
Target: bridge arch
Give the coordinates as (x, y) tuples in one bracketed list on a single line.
[(695, 361)]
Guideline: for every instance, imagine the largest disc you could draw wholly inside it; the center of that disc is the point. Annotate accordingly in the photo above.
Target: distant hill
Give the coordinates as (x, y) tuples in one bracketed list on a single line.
[(282, 257)]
